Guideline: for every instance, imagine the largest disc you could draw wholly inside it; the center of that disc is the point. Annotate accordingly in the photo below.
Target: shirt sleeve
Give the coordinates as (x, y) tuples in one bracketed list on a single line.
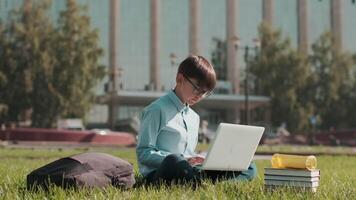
[(147, 152)]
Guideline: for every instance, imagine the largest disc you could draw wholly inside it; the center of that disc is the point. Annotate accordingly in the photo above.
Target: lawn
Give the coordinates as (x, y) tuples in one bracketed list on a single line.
[(338, 180)]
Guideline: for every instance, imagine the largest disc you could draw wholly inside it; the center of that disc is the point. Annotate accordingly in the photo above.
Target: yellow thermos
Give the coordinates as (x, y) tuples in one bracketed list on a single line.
[(293, 161)]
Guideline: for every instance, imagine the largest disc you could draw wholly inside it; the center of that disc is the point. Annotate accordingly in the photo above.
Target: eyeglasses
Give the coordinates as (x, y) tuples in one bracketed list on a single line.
[(197, 90)]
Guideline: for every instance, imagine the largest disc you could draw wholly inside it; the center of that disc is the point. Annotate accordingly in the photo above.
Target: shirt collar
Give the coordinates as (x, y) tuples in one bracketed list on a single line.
[(177, 102)]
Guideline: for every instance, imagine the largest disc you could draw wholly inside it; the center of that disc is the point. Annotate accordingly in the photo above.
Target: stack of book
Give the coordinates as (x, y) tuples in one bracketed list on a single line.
[(296, 178)]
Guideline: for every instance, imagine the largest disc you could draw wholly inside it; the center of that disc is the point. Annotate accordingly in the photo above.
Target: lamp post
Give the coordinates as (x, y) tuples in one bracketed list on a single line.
[(247, 59), (112, 88)]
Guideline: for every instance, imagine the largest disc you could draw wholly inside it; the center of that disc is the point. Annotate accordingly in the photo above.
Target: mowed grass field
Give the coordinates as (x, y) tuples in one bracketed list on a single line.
[(338, 180)]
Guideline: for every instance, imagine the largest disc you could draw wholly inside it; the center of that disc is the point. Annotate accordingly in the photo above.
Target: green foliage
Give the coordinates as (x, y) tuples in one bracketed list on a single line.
[(34, 34), (75, 73), (332, 84), (321, 84), (342, 113), (281, 73), (49, 69), (16, 90), (3, 79), (78, 52)]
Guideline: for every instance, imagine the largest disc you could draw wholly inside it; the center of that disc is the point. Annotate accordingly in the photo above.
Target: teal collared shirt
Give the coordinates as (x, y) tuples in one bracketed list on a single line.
[(167, 127)]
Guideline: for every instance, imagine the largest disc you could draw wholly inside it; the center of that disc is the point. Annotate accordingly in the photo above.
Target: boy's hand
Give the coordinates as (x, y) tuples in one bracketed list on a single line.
[(197, 160)]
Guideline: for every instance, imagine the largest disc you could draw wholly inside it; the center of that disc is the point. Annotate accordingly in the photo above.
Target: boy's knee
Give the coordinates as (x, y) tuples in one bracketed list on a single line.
[(176, 167), (175, 163), (250, 173), (172, 159)]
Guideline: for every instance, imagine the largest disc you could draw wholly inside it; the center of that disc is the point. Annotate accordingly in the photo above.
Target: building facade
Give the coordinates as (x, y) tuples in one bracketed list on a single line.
[(144, 41)]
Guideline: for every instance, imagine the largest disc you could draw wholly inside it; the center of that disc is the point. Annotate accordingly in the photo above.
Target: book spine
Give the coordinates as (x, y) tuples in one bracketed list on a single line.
[(291, 178), (292, 173), (304, 189), (292, 183)]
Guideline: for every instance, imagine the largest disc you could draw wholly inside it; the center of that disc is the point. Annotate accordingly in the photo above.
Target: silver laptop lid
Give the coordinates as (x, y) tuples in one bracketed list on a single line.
[(233, 147)]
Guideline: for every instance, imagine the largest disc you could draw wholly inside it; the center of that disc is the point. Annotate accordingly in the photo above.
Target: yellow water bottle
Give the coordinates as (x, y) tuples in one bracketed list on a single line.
[(293, 161)]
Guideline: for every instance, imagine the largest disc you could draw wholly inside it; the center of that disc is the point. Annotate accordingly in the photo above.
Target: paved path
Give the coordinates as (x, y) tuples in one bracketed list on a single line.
[(262, 157), (56, 145)]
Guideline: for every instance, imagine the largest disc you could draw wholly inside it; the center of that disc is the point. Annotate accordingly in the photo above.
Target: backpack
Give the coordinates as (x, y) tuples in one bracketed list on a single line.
[(84, 170)]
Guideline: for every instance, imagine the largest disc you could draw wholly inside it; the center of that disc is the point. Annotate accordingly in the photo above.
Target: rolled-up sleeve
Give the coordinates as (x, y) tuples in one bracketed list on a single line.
[(147, 152)]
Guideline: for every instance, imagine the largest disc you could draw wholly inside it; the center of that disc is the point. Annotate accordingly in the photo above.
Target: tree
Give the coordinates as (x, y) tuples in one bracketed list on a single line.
[(15, 64), (280, 72), (332, 84), (68, 85), (3, 79), (50, 69)]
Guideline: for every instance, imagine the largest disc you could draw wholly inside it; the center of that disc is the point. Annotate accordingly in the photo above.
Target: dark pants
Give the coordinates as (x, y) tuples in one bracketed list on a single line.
[(176, 169)]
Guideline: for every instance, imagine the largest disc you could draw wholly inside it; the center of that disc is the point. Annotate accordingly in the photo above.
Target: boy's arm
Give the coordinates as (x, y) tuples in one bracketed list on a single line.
[(147, 152)]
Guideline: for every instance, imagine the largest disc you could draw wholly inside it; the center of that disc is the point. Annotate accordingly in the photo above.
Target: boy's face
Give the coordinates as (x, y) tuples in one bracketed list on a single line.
[(190, 92)]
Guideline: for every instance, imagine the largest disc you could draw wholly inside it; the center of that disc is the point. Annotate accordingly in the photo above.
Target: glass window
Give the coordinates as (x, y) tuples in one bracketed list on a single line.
[(213, 33), (249, 19), (349, 25), (286, 19), (319, 19), (133, 42), (174, 38)]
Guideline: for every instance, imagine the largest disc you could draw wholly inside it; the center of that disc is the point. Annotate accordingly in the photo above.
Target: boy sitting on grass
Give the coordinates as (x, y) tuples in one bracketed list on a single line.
[(168, 133)]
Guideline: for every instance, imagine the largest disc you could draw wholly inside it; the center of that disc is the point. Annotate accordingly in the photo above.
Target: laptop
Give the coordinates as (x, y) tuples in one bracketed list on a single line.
[(233, 147)]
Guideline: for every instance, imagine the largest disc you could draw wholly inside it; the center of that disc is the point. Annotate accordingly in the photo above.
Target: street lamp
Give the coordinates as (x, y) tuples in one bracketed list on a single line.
[(112, 88), (256, 44)]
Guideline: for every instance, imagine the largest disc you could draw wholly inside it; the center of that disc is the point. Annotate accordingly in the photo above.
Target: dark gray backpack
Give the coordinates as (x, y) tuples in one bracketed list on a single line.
[(84, 170)]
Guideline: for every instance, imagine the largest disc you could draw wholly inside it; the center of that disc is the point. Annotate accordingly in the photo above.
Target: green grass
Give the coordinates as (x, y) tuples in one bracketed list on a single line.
[(338, 180), (303, 149), (298, 149)]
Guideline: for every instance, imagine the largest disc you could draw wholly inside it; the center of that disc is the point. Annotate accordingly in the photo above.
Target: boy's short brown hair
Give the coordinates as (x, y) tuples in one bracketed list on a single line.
[(199, 68)]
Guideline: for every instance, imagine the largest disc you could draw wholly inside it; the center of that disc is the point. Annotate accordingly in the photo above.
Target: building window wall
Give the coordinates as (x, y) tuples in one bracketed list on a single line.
[(134, 37), (349, 25), (213, 23), (285, 18), (319, 19), (249, 19), (174, 38)]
